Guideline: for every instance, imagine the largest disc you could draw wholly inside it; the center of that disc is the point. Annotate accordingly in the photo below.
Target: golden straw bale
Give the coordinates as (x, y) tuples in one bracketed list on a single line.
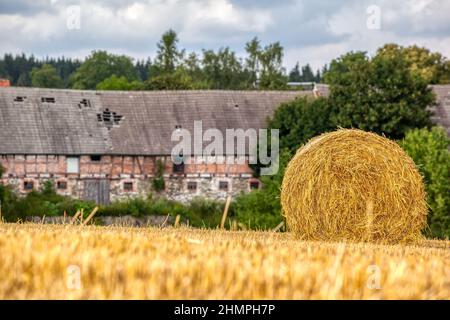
[(353, 185)]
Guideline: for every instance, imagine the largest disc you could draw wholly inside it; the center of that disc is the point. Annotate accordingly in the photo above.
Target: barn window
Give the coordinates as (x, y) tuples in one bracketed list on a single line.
[(48, 99), (61, 185), (254, 185), (28, 185), (96, 157), (128, 186), (223, 185), (192, 186), (178, 168), (73, 164)]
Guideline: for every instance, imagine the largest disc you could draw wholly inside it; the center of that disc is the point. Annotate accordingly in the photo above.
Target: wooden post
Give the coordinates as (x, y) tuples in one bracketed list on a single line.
[(91, 215), (278, 227), (75, 217), (225, 212), (177, 221), (82, 215)]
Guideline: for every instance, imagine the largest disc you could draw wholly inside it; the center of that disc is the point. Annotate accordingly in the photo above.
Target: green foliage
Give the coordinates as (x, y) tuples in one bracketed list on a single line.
[(430, 151), (379, 95), (168, 56), (119, 83), (101, 65), (179, 80), (304, 74), (431, 66), (158, 180), (45, 77), (300, 120), (223, 69), (261, 208)]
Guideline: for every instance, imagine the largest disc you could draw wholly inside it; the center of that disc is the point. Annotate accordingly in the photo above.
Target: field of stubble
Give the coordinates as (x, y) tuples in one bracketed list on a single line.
[(73, 262)]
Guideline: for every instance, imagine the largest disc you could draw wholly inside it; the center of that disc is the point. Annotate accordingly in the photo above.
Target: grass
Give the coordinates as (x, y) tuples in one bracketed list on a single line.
[(41, 262)]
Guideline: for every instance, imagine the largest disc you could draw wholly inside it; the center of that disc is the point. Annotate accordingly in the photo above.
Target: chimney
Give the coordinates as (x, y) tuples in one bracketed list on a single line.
[(4, 83)]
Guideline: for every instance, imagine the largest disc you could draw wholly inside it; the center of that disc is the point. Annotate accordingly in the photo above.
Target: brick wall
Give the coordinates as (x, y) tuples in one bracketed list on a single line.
[(129, 176)]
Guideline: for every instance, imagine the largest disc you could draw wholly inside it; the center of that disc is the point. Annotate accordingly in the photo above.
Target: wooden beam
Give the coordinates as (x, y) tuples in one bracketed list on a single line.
[(225, 212), (91, 215)]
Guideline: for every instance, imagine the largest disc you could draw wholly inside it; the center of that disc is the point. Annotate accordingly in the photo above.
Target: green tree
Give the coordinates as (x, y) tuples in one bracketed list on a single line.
[(168, 56), (300, 120), (101, 65), (379, 94), (295, 74), (45, 77), (253, 49), (430, 151), (272, 71), (223, 70), (24, 80), (261, 208), (179, 80), (431, 66), (192, 65), (119, 83)]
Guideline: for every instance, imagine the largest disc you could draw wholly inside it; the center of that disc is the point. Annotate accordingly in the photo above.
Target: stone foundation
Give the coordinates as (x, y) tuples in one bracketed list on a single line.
[(126, 176)]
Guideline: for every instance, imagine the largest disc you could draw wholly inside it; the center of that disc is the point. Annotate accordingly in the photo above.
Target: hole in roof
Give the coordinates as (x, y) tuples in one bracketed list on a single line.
[(48, 99), (20, 99), (85, 103), (109, 118)]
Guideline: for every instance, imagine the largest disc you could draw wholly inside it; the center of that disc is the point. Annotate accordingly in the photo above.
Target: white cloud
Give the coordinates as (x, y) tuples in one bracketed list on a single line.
[(312, 31)]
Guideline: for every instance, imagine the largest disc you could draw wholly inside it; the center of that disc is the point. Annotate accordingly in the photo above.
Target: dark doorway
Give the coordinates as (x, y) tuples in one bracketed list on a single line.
[(96, 190)]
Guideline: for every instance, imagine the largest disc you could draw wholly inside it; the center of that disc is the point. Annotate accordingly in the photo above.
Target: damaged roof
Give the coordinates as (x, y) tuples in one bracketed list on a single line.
[(75, 122)]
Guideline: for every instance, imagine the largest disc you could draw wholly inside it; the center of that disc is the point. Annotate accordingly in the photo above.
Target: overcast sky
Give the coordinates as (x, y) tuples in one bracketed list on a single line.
[(313, 31)]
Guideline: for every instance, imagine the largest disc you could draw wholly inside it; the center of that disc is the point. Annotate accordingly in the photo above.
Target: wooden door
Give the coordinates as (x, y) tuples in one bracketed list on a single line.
[(96, 190)]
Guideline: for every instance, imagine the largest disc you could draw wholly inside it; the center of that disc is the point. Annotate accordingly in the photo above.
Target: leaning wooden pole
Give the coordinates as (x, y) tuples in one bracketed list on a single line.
[(225, 212), (90, 216), (75, 217)]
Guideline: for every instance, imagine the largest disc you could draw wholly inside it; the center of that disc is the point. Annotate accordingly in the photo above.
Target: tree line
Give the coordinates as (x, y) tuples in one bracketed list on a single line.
[(172, 68)]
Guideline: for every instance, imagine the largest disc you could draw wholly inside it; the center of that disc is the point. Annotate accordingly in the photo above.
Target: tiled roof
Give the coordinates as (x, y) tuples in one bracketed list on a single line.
[(55, 121)]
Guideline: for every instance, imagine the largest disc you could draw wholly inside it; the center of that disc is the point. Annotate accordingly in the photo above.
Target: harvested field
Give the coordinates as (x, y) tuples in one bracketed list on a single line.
[(73, 262)]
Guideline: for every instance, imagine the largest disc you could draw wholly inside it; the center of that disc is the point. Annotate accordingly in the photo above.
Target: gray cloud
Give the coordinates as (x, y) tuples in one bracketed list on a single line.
[(310, 30)]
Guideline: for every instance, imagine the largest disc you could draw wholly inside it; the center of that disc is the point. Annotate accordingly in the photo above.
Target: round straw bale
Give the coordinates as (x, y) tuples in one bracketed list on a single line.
[(353, 185)]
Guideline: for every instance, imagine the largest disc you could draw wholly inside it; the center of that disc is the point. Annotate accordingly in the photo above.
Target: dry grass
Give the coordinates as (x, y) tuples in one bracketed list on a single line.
[(132, 263), (354, 185)]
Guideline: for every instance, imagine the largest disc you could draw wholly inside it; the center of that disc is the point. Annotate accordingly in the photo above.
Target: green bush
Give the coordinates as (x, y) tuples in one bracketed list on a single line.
[(158, 180), (429, 150), (261, 209)]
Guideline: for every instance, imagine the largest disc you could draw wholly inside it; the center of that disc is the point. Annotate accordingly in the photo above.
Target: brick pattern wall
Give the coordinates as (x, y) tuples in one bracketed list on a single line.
[(129, 176)]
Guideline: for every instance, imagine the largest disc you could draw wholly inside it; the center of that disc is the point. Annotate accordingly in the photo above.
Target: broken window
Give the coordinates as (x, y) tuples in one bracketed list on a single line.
[(61, 185), (128, 186), (223, 185), (48, 99), (178, 168), (96, 157), (192, 185), (20, 99), (109, 118), (254, 184), (28, 185), (86, 103)]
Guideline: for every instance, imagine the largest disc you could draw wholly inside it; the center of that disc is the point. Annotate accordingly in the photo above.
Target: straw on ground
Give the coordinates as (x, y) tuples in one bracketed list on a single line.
[(38, 261)]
